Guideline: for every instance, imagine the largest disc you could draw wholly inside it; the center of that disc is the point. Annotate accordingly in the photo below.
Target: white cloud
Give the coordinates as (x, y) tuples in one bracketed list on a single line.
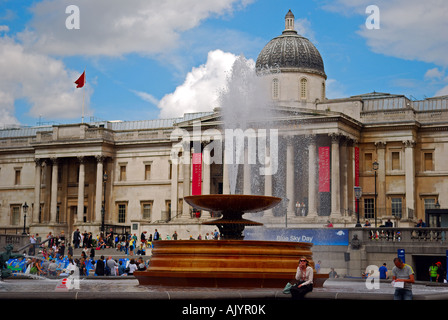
[(115, 27), (434, 73), (409, 29), (334, 89), (146, 97), (41, 80), (442, 92), (303, 27), (201, 88)]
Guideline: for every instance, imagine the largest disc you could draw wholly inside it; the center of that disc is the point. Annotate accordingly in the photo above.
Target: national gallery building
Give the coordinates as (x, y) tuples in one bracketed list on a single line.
[(122, 174)]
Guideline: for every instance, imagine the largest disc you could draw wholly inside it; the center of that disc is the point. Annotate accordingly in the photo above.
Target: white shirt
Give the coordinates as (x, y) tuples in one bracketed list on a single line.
[(307, 277)]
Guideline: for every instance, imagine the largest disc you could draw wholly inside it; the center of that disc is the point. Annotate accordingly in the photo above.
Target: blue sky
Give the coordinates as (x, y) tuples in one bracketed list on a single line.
[(146, 59)]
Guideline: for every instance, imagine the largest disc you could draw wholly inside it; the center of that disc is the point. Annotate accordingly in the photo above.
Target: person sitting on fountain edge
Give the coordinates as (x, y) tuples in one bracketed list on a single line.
[(304, 276)]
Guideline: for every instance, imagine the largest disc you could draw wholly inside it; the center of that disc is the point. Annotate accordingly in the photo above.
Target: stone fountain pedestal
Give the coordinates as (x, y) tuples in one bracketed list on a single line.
[(228, 263)]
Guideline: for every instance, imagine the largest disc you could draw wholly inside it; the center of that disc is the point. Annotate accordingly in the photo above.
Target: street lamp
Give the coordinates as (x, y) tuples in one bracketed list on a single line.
[(375, 169), (103, 210), (358, 194), (437, 205), (25, 209)]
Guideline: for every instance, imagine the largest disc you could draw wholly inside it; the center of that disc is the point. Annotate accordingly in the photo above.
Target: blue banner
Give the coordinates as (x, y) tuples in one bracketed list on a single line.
[(318, 236), (401, 254)]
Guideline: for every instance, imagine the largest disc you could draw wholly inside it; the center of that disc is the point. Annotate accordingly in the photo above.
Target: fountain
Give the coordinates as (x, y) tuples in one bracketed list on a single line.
[(232, 261)]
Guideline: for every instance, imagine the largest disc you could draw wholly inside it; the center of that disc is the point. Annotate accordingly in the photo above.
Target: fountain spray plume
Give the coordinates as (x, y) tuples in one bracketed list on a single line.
[(245, 107)]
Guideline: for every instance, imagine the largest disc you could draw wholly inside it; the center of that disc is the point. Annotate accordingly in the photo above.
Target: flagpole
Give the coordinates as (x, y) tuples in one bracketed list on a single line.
[(80, 83), (82, 115), (83, 97)]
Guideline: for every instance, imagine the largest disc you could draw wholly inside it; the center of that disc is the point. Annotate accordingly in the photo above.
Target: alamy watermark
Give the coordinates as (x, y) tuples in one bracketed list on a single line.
[(373, 20), (73, 21), (262, 147)]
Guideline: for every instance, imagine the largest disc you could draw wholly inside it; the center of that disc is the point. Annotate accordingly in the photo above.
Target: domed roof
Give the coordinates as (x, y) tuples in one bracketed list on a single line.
[(290, 52)]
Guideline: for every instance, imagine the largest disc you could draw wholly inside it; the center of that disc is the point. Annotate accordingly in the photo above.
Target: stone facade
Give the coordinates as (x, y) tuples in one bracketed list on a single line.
[(59, 171)]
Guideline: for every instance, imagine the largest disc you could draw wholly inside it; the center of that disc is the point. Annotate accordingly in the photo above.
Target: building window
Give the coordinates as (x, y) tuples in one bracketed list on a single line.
[(397, 206), (303, 88), (369, 208), (58, 212), (396, 161), (121, 213), (323, 91), (275, 92), (17, 176), (147, 171), (15, 215), (146, 209), (427, 162), (429, 203), (41, 209), (122, 172), (84, 215)]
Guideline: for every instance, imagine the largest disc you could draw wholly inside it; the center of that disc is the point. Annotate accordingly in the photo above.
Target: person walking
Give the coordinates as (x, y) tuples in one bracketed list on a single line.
[(99, 267), (383, 271), (112, 265), (433, 274)]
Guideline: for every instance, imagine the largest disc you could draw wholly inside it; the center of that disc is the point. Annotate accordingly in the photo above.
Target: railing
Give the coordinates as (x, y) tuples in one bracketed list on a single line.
[(408, 235)]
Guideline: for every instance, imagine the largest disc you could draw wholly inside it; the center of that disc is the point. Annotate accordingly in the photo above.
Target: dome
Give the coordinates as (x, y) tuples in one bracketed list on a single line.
[(290, 52)]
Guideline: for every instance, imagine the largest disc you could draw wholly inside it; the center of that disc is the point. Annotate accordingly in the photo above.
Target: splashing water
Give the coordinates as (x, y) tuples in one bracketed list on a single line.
[(245, 105)]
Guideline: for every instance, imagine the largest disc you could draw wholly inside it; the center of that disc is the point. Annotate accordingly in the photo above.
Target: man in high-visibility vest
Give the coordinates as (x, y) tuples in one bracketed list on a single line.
[(433, 275)]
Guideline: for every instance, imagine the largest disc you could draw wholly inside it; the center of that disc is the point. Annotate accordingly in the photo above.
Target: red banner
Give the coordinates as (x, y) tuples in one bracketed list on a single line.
[(197, 174), (324, 169)]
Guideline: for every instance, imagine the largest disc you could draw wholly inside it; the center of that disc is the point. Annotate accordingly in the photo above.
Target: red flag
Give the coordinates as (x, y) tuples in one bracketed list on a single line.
[(81, 80)]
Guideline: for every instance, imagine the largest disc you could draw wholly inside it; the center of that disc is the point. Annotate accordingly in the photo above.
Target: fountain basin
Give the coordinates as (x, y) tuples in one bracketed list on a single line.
[(225, 263)]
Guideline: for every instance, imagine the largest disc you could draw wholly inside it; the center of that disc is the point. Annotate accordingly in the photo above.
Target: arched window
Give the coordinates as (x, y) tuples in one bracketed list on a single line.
[(323, 91), (275, 88), (303, 88)]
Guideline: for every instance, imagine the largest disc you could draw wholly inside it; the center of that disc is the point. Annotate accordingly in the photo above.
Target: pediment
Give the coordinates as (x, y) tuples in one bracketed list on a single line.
[(277, 115)]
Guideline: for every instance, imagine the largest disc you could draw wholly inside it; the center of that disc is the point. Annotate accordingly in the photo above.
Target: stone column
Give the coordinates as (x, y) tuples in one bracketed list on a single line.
[(174, 188), (186, 158), (268, 180), (409, 176), (290, 176), (37, 184), (247, 173), (351, 176), (335, 176), (54, 190), (381, 183), (225, 175), (99, 187), (312, 185), (206, 167), (344, 175), (81, 185)]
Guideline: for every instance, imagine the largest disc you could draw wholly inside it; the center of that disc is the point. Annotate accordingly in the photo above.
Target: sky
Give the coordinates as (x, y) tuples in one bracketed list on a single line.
[(150, 59)]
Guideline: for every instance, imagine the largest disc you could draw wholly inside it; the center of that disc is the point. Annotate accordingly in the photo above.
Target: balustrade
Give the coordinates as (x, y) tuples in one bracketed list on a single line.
[(415, 235)]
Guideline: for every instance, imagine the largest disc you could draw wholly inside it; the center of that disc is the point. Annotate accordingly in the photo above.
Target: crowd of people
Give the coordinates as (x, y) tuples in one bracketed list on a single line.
[(58, 253)]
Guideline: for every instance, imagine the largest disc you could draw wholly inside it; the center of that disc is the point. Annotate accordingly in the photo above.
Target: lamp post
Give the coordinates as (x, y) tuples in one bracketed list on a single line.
[(358, 194), (103, 209), (375, 169), (25, 209), (286, 215)]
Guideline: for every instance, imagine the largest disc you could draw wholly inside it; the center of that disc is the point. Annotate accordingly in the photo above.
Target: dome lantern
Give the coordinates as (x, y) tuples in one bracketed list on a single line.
[(289, 22)]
